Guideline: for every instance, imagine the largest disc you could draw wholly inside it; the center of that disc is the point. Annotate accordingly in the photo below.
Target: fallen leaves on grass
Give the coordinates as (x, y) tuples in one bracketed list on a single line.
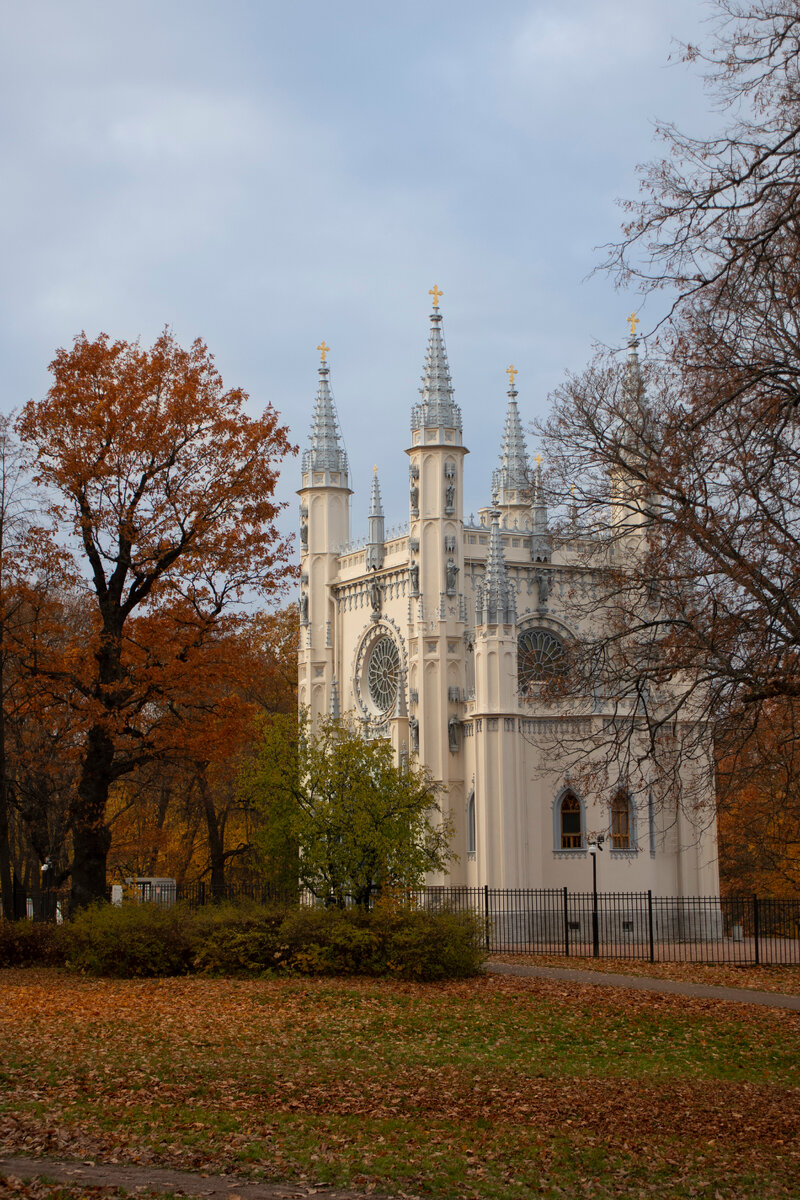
[(469, 1086)]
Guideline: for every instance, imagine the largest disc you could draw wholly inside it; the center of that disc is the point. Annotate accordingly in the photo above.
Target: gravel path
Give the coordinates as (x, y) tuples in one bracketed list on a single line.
[(645, 984)]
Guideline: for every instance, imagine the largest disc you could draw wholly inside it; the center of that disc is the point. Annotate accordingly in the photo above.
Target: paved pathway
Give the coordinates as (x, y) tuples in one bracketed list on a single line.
[(162, 1179), (645, 984)]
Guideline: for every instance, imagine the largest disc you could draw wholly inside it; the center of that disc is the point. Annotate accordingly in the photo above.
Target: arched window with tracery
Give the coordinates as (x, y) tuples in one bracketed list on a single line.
[(570, 822), (621, 822)]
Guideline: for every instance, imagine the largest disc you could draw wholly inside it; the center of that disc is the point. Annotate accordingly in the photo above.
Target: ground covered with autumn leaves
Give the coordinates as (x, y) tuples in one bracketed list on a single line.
[(494, 1087)]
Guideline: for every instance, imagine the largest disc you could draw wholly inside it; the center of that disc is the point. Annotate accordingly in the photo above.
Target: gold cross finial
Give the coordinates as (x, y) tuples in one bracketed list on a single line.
[(538, 460), (512, 374), (436, 294), (375, 469), (323, 349), (633, 320)]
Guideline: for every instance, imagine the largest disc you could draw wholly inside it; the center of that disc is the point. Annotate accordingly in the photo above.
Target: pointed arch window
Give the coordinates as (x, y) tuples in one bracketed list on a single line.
[(472, 843), (570, 822), (621, 821)]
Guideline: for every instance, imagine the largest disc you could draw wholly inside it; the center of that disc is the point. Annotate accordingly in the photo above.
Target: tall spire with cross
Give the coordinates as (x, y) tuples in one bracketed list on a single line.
[(513, 476), (326, 451), (437, 408)]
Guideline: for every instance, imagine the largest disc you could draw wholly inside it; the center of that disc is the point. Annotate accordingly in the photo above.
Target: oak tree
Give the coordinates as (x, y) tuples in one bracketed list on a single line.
[(165, 489)]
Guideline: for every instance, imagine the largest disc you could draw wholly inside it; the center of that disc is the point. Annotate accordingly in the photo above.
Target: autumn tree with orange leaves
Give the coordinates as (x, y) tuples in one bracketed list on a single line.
[(166, 488), (185, 815)]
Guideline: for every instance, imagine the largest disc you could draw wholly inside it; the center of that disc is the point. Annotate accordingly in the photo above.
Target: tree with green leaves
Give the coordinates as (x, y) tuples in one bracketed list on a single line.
[(359, 823)]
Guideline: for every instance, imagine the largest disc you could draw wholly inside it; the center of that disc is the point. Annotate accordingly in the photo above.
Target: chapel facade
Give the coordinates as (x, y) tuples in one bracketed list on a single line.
[(440, 637)]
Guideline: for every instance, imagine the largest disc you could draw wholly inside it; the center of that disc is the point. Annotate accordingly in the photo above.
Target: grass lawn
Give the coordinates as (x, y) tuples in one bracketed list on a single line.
[(497, 1087)]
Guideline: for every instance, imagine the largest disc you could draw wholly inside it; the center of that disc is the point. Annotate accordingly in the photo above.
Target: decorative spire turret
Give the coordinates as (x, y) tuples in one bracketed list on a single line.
[(633, 370), (512, 477), (375, 546), (538, 500), (326, 452), (635, 418), (540, 535), (437, 408), (496, 600), (630, 498)]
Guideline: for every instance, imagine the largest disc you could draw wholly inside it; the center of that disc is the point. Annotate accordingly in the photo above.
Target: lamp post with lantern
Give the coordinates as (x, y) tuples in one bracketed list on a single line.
[(594, 845)]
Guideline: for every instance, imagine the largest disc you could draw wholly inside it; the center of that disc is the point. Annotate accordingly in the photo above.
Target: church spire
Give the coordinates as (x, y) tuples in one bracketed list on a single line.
[(437, 408), (633, 369), (513, 475), (326, 452), (540, 541), (375, 546), (496, 601)]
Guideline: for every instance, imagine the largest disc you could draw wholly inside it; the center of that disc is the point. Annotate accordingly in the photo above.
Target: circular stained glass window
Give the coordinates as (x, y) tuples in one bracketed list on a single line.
[(383, 673), (540, 655)]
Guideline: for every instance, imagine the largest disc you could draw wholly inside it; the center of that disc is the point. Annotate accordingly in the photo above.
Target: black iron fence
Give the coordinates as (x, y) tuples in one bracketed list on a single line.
[(632, 925), (554, 921)]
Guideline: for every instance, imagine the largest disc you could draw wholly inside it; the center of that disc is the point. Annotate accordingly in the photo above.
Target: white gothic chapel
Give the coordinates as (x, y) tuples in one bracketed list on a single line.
[(436, 638)]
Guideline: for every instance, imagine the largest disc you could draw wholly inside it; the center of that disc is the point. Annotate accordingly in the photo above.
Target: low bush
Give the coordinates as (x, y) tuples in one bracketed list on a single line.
[(238, 940), (431, 945), (30, 944), (333, 941), (406, 943), (137, 940), (131, 940)]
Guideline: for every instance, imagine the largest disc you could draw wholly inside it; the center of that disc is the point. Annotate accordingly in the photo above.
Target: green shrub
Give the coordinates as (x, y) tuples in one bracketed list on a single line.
[(146, 940), (237, 940), (31, 944), (407, 943), (131, 940), (332, 941), (426, 945)]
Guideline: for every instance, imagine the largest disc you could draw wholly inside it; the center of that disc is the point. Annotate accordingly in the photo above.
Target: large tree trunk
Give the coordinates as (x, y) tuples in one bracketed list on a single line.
[(216, 837), (6, 876), (90, 834), (6, 873)]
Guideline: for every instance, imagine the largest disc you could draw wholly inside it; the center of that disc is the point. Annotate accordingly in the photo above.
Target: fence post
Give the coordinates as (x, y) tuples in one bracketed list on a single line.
[(650, 924), (755, 928), (486, 915), (566, 923)]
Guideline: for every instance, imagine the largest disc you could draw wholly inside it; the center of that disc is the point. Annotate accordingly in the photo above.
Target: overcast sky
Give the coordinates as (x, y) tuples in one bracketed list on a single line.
[(267, 174)]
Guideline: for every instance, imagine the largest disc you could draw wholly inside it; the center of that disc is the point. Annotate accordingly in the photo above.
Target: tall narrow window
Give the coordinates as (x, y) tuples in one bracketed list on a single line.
[(471, 840), (621, 822), (571, 832)]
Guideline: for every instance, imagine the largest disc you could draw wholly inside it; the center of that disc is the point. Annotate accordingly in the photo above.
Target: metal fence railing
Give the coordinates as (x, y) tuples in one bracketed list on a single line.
[(552, 921)]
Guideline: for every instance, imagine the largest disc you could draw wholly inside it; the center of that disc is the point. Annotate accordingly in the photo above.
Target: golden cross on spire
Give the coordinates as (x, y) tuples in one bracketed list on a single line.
[(323, 349), (512, 374), (375, 469), (436, 293), (633, 321), (538, 460)]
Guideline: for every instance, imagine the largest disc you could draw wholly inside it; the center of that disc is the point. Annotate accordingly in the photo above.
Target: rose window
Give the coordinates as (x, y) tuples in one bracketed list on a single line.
[(540, 655), (383, 674)]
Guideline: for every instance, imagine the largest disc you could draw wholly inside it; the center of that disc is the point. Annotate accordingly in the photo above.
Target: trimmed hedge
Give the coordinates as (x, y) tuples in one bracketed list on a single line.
[(146, 940)]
